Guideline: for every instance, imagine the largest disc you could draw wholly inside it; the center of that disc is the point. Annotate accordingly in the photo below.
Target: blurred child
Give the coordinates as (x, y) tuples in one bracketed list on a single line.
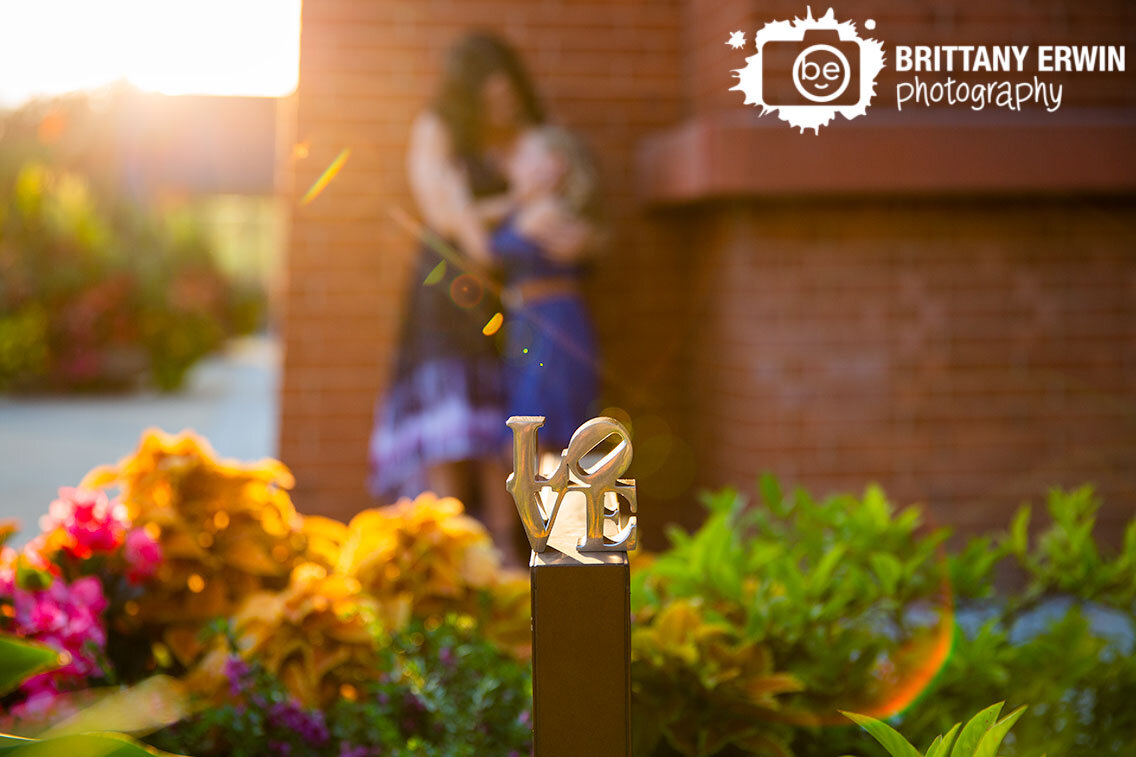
[(550, 350)]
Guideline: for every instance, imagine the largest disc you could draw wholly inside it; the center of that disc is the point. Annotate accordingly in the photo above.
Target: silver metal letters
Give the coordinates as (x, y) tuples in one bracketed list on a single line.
[(607, 497)]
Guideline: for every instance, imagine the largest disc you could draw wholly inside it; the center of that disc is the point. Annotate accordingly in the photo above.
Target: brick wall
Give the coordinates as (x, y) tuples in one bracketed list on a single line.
[(966, 353), (612, 70)]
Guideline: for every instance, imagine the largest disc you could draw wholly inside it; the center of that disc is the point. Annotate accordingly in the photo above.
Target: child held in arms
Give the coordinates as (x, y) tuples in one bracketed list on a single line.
[(549, 344)]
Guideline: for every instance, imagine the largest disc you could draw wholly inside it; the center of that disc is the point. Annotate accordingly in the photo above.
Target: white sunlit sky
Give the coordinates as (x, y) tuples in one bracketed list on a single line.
[(218, 47), (174, 47)]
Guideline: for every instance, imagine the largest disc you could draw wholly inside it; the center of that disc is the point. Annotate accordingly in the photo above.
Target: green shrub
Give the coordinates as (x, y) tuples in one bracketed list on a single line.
[(1062, 644), (858, 607), (99, 293), (980, 737)]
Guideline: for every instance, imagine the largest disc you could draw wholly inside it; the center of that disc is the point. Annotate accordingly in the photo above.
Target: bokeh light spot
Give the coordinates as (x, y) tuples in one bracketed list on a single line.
[(466, 291), (622, 416), (519, 340)]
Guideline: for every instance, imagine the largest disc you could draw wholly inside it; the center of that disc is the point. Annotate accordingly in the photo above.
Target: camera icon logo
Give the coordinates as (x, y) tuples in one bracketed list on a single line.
[(809, 70), (823, 67)]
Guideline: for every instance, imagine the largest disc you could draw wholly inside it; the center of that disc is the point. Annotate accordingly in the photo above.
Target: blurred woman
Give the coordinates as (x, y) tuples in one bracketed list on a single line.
[(439, 425)]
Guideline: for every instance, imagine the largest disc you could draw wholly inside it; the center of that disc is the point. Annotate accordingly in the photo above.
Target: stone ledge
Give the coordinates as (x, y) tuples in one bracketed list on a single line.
[(738, 154)]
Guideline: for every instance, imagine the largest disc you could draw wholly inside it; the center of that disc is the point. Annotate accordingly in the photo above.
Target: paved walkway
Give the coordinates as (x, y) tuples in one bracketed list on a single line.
[(46, 443)]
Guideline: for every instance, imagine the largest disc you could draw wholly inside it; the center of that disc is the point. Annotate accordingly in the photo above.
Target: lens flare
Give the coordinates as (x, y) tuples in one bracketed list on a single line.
[(466, 291), (898, 679), (325, 178), (494, 324)]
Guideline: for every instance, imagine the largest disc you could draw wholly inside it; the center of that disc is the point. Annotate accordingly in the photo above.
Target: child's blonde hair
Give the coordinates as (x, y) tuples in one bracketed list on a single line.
[(580, 185)]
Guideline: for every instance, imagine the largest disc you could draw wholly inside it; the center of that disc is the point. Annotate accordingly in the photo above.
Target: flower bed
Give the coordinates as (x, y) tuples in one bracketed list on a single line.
[(98, 293), (240, 627), (398, 630)]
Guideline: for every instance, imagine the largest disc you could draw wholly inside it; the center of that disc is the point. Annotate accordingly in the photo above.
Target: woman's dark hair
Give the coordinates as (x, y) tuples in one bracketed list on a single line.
[(469, 63)]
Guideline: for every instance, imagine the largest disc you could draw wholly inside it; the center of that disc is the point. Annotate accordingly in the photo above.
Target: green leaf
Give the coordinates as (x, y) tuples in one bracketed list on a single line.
[(771, 494), (972, 732), (992, 739), (941, 745), (888, 570), (723, 502), (7, 742), (144, 707), (889, 738), (877, 506), (20, 660), (30, 578), (1019, 531), (826, 565), (81, 745)]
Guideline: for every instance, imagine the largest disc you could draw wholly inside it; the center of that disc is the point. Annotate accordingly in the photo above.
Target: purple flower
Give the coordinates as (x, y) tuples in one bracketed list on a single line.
[(237, 671), (309, 725), (446, 656)]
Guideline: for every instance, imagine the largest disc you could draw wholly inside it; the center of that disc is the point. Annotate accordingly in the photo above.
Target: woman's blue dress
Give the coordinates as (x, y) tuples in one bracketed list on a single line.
[(550, 362)]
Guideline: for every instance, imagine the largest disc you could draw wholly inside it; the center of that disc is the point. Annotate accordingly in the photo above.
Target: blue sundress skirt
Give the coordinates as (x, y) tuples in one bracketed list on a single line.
[(551, 366), (446, 401)]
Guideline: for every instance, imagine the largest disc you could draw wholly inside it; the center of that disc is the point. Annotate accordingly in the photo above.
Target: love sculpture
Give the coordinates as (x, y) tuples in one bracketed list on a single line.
[(580, 520), (595, 483)]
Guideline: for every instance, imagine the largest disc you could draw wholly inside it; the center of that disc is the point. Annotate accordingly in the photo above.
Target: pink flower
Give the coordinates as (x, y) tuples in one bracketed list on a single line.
[(67, 617), (143, 554), (44, 701), (89, 521), (8, 557)]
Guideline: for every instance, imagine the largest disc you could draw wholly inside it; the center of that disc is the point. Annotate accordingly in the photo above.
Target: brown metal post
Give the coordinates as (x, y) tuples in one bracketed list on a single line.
[(581, 647)]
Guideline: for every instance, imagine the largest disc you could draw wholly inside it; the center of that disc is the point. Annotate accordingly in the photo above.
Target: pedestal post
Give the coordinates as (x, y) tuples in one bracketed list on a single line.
[(581, 654)]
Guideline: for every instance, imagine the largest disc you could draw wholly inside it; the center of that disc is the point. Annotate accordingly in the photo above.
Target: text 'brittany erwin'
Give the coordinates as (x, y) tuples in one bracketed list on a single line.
[(596, 481), (995, 58)]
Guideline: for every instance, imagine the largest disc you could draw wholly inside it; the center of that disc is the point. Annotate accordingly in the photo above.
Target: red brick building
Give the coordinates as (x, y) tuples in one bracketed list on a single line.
[(940, 300)]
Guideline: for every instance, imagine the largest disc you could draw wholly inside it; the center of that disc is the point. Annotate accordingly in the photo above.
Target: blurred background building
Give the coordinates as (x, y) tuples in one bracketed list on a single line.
[(942, 301)]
